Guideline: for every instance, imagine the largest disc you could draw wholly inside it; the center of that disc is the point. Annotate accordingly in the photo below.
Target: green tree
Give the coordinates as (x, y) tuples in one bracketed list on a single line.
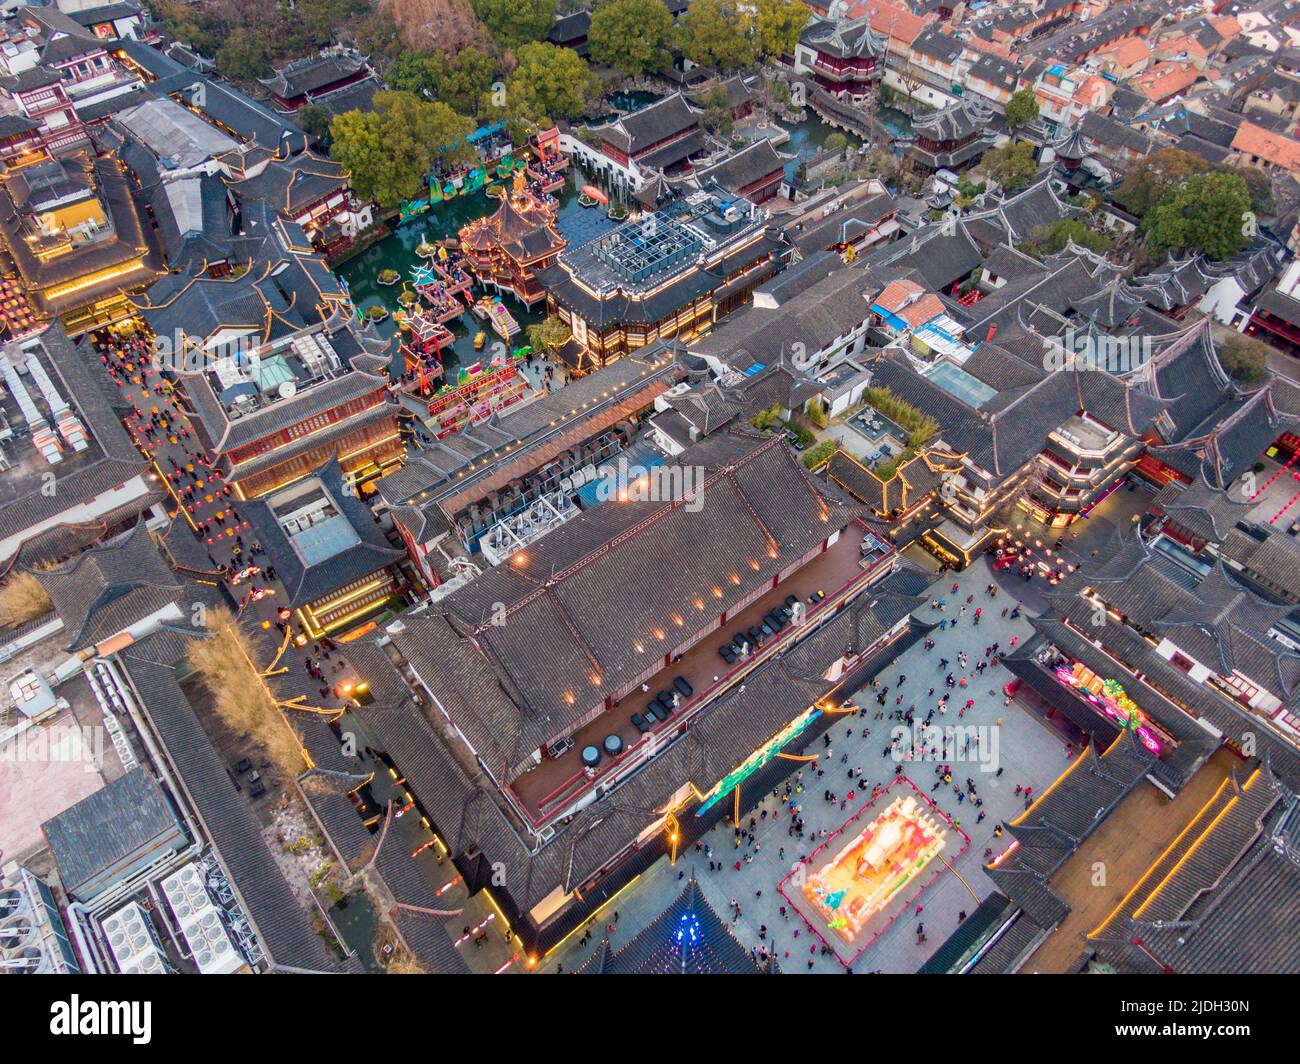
[(460, 82), (315, 120), (1022, 109), (417, 72), (1013, 166), (466, 80), (1147, 180), (548, 83), (1207, 212), (718, 33), (631, 35), (321, 19), (438, 130), (767, 418), (1245, 358), (390, 150), (1258, 184), (717, 117), (515, 22), (777, 25), (548, 335), (376, 169), (379, 38), (244, 56), (821, 453), (190, 27), (1053, 237)]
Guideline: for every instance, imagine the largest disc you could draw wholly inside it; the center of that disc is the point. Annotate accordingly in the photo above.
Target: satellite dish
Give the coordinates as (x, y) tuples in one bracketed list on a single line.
[(288, 390)]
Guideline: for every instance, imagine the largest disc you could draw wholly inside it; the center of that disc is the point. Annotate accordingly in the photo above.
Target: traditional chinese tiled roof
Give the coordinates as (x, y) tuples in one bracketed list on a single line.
[(283, 928), (108, 589), (849, 39), (645, 128), (1221, 898), (687, 938)]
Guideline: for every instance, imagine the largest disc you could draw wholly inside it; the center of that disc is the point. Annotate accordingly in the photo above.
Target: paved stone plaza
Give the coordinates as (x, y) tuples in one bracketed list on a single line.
[(1029, 752)]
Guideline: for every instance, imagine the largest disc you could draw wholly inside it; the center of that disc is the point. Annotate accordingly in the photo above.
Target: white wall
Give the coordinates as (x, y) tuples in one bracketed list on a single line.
[(86, 512)]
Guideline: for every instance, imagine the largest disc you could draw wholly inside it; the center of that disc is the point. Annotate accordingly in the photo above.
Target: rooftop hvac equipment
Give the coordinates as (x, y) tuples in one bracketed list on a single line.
[(23, 962), (147, 964), (229, 372), (43, 437), (313, 357), (200, 922), (69, 425), (323, 342), (16, 933), (131, 941)]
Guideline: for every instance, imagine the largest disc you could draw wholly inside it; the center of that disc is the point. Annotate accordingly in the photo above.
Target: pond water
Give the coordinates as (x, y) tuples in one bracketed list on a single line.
[(355, 919), (397, 252), (577, 223), (807, 137), (632, 101), (897, 122)]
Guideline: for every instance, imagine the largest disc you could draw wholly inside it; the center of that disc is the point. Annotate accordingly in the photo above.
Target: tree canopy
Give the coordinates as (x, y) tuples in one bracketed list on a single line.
[(315, 120), (244, 55), (718, 33), (390, 150), (632, 35), (548, 335), (515, 22), (1207, 212), (1012, 166), (778, 25), (1244, 358), (548, 83), (717, 117), (247, 37), (1022, 109), (1148, 179), (1053, 237), (460, 82)]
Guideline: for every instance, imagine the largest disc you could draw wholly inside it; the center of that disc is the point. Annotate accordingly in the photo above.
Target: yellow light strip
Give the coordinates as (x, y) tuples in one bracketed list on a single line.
[(613, 898), (1156, 863), (1193, 848), (59, 291)]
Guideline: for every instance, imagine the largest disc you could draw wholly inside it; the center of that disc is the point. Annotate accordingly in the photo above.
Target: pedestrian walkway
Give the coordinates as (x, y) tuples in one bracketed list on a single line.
[(1028, 752)]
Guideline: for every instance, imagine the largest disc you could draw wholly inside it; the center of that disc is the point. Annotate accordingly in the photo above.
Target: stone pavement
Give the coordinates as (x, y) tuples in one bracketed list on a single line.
[(1029, 752), (1078, 542)]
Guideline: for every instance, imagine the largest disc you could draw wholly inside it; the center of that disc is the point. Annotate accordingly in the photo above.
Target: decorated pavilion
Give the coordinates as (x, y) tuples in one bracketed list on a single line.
[(505, 250)]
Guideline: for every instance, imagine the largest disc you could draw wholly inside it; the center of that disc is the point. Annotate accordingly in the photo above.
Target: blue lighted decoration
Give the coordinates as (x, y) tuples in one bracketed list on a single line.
[(688, 930)]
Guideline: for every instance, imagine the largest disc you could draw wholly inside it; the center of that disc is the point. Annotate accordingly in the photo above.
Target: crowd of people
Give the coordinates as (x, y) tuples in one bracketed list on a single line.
[(160, 426), (906, 701)]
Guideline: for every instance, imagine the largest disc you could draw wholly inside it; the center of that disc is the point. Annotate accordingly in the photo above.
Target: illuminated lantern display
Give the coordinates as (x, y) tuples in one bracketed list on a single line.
[(875, 866), (687, 934), (1111, 699)]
